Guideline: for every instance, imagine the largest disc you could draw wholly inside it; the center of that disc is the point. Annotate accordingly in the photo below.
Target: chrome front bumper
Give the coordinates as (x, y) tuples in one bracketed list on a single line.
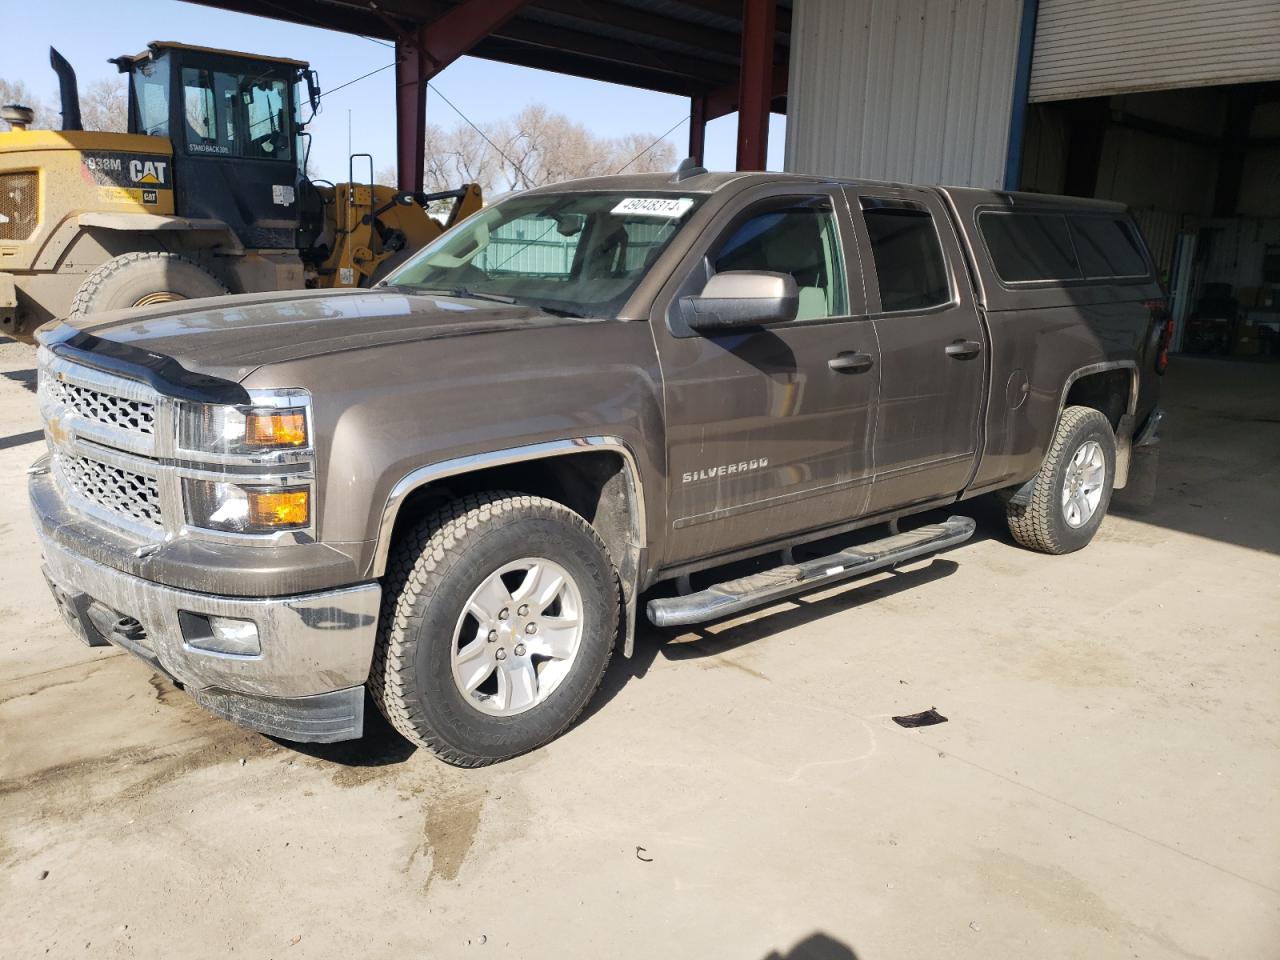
[(305, 684)]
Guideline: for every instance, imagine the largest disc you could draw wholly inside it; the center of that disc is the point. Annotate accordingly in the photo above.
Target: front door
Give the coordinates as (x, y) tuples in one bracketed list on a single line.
[(769, 430), (234, 149), (932, 346)]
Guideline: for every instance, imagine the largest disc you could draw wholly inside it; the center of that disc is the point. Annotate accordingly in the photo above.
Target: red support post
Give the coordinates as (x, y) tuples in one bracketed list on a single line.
[(419, 57), (697, 128), (411, 113), (755, 82)]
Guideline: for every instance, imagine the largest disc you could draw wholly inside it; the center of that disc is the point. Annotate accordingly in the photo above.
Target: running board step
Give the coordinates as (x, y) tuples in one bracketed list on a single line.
[(732, 596)]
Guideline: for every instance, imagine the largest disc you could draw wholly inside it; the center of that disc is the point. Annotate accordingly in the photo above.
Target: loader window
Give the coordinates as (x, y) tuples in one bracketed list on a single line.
[(577, 253), (151, 97), (241, 115)]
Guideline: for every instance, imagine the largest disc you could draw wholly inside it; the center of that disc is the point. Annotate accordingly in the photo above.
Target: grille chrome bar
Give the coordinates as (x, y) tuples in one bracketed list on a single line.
[(134, 496), (109, 410)]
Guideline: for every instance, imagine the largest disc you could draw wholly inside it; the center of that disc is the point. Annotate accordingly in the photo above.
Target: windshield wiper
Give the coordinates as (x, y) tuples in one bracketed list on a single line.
[(558, 311), (462, 293)]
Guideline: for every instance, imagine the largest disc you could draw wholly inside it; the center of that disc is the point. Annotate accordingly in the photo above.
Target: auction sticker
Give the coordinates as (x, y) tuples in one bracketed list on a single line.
[(664, 207)]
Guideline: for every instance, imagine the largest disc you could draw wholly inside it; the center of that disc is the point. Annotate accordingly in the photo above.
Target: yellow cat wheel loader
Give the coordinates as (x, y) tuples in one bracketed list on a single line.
[(205, 194)]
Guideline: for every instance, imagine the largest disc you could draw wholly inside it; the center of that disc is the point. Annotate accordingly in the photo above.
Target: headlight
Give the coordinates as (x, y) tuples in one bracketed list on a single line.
[(246, 508), (255, 463), (245, 430)]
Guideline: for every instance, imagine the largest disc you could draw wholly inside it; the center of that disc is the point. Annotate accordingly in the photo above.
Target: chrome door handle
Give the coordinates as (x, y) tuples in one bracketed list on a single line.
[(964, 349), (850, 362)]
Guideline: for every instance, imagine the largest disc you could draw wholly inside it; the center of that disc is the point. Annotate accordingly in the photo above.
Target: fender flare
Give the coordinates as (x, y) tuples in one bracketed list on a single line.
[(1124, 432), (62, 238), (430, 473)]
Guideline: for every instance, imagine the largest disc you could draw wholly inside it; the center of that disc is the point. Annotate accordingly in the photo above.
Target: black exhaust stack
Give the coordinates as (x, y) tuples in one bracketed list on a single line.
[(68, 90)]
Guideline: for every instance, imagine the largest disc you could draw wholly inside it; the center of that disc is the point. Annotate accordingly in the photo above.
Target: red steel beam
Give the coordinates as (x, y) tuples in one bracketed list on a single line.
[(423, 53), (697, 128), (723, 101), (448, 38), (755, 81), (411, 116)]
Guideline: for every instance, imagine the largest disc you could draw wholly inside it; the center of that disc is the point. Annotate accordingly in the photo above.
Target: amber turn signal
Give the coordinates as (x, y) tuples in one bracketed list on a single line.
[(272, 509), (276, 428)]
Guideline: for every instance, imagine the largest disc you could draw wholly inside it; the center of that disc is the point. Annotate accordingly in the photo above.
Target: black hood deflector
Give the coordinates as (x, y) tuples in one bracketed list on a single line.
[(165, 374)]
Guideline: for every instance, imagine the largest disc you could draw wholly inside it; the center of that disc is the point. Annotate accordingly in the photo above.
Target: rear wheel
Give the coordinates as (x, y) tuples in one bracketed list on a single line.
[(141, 280), (1071, 493), (499, 616)]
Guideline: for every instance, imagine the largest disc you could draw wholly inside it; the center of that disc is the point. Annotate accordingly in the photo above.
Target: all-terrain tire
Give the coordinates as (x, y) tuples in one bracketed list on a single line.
[(1041, 523), (432, 572), (142, 279)]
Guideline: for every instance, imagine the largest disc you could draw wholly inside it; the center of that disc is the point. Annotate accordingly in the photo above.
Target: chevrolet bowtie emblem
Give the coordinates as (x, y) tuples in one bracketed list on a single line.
[(58, 434)]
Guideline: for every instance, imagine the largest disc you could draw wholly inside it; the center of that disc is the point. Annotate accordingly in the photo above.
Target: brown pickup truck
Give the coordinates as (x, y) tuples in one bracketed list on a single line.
[(453, 489)]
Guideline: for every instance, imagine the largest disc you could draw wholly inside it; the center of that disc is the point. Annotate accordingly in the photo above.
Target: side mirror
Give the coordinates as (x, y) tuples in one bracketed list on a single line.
[(742, 298), (313, 90)]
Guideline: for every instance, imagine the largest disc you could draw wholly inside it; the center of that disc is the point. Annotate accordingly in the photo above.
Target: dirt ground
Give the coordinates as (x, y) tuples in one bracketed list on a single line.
[(1107, 783)]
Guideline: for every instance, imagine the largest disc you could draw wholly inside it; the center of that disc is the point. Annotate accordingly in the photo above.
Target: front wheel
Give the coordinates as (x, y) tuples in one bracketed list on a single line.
[(1071, 493), (500, 613)]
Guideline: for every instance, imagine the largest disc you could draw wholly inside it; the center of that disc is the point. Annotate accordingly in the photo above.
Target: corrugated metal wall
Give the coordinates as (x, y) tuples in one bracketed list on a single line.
[(914, 90), (1089, 48)]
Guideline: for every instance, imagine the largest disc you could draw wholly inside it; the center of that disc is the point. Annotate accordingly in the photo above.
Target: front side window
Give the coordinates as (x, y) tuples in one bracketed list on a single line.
[(798, 237), (908, 255), (580, 254), (236, 115), (151, 96)]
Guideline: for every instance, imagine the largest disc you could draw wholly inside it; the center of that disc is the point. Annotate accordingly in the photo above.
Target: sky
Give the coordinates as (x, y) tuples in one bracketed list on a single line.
[(87, 33)]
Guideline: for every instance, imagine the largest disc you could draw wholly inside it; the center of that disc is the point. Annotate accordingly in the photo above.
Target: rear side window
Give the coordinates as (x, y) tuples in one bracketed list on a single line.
[(1107, 247), (1029, 246), (904, 245), (1038, 247)]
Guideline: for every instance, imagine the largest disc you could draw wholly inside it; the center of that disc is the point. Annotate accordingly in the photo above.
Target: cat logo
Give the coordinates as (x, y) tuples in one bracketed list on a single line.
[(150, 196), (147, 171)]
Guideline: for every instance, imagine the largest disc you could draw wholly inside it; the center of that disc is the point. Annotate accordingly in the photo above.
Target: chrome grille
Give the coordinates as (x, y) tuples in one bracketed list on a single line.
[(137, 416), (18, 207), (113, 488)]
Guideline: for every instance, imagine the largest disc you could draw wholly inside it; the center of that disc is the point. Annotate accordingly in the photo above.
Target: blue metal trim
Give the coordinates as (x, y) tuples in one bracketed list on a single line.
[(1021, 91)]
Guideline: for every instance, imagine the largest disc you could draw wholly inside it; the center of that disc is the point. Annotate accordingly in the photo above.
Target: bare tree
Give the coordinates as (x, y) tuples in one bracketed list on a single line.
[(104, 105), (535, 147), (540, 146)]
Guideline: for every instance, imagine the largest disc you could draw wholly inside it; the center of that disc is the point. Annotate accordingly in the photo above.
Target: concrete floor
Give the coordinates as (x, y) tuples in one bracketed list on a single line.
[(1108, 783)]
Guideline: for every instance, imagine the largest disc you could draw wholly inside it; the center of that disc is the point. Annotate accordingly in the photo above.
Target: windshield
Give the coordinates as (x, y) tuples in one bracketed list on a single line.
[(581, 254), (237, 114)]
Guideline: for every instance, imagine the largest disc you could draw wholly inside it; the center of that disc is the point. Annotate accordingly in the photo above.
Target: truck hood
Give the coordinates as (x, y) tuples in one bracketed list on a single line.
[(241, 333)]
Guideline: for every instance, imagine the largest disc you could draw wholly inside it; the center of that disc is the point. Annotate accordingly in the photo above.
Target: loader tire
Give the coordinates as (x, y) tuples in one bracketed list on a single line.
[(142, 279)]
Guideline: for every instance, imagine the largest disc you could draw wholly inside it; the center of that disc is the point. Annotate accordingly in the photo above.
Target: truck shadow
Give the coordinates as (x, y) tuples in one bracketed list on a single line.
[(382, 746), (699, 642)]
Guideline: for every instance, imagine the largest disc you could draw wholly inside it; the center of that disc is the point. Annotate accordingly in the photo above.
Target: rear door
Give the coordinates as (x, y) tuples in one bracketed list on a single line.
[(769, 429), (932, 346)]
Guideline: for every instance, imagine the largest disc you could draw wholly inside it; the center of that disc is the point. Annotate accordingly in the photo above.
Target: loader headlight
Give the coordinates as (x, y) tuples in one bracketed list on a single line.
[(273, 422)]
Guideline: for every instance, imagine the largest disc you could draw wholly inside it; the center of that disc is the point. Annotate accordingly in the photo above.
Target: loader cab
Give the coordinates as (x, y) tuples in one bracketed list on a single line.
[(233, 121)]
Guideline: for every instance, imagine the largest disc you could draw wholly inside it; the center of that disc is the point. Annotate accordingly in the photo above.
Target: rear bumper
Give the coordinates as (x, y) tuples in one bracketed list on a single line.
[(306, 683)]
